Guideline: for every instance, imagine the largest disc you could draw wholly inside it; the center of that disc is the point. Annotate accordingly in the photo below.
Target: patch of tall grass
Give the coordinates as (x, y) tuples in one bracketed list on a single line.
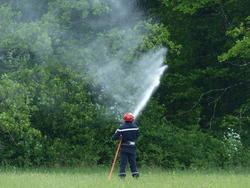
[(98, 177)]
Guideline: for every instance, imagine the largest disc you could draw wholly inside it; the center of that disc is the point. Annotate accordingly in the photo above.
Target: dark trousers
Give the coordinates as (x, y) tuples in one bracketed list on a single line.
[(131, 158)]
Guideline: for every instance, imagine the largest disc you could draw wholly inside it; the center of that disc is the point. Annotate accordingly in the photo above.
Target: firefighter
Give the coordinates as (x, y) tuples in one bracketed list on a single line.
[(129, 133)]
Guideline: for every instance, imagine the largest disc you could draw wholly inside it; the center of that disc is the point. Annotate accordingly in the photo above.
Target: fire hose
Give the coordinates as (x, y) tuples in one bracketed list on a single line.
[(115, 158)]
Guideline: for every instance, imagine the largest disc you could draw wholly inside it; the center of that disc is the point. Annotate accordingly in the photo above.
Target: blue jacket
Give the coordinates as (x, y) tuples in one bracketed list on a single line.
[(129, 133)]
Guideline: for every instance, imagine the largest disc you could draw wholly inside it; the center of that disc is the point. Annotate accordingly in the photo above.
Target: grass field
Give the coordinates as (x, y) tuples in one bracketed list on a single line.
[(95, 177)]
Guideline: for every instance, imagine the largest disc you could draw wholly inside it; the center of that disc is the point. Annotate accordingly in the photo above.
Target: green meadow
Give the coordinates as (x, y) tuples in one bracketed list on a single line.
[(95, 177)]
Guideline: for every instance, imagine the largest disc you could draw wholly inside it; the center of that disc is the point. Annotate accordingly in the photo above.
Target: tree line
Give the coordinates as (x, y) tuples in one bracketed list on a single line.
[(52, 112)]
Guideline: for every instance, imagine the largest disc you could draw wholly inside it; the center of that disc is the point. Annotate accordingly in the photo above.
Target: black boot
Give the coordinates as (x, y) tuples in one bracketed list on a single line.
[(135, 175), (122, 175)]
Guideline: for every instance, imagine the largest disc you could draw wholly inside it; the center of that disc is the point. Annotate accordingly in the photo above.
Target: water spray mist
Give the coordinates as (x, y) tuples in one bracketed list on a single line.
[(153, 80)]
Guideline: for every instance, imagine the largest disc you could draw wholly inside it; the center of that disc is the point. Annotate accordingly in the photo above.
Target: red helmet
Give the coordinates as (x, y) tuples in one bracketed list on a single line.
[(128, 117)]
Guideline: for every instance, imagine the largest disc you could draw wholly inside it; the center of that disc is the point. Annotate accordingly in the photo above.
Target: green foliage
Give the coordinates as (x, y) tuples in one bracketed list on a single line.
[(17, 135), (186, 6), (52, 112), (198, 91), (67, 10), (241, 48), (165, 145), (158, 35)]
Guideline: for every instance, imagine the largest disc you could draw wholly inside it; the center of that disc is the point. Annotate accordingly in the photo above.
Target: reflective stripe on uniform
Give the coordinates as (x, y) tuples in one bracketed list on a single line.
[(130, 129), (129, 143), (134, 173)]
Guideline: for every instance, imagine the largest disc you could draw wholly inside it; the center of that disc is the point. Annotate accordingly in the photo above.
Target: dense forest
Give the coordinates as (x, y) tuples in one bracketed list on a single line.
[(54, 110)]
